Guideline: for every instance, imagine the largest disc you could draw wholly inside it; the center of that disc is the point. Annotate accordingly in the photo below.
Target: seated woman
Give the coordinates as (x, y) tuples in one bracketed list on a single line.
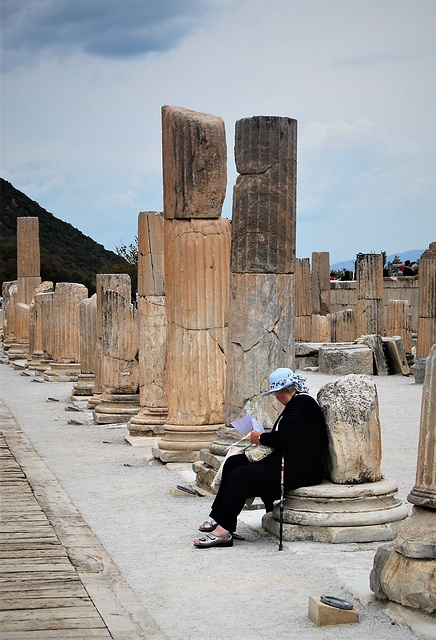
[(299, 434)]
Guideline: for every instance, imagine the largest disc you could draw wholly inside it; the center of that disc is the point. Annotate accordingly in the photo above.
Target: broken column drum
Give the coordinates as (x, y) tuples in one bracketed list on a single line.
[(65, 366), (152, 328), (88, 348), (369, 276), (37, 359), (119, 344), (404, 571), (197, 255)]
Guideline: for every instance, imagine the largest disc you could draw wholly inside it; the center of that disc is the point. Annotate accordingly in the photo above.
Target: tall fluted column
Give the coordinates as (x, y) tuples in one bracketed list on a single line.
[(303, 300), (426, 302), (197, 248), (28, 278), (405, 571), (118, 352), (262, 281), (398, 322), (66, 350), (104, 282), (36, 351), (152, 328), (369, 276), (88, 347)]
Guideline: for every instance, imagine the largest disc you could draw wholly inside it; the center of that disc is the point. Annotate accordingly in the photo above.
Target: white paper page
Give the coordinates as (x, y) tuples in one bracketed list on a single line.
[(246, 424)]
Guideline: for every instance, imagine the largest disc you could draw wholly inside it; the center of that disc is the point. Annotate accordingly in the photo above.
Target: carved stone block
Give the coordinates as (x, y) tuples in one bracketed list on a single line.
[(350, 406)]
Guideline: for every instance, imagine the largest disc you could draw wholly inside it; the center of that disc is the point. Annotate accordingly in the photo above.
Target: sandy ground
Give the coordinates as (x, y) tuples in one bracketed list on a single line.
[(248, 591)]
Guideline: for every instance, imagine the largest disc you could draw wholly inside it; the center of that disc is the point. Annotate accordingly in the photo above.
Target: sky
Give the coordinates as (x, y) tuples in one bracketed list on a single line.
[(83, 83)]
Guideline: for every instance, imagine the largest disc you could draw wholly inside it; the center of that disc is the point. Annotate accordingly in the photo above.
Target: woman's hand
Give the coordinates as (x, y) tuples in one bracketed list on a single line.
[(254, 437)]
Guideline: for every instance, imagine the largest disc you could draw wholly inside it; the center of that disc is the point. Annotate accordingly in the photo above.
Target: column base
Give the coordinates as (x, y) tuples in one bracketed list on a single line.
[(84, 386), (116, 408), (182, 443), (148, 422), (337, 513), (62, 372)]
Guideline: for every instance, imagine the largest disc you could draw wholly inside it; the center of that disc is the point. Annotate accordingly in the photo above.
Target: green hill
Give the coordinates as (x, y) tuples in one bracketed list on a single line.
[(67, 255)]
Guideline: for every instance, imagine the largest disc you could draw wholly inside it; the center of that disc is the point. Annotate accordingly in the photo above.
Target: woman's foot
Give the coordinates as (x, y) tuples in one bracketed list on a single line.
[(211, 540), (208, 526)]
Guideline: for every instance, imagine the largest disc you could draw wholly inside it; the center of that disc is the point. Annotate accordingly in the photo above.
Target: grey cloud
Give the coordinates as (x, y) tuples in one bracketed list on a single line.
[(110, 28)]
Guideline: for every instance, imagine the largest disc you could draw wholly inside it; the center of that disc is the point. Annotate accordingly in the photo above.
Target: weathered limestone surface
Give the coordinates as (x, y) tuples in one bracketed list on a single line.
[(321, 327), (9, 290), (375, 342), (369, 276), (88, 347), (303, 300), (195, 164), (426, 306), (66, 346), (36, 327), (48, 326), (338, 513), (396, 355), (114, 282), (264, 196), (197, 256), (152, 327), (261, 330), (343, 326), (119, 342), (409, 582), (398, 322), (197, 315), (424, 491), (342, 359), (28, 255), (321, 282), (350, 406), (405, 571)]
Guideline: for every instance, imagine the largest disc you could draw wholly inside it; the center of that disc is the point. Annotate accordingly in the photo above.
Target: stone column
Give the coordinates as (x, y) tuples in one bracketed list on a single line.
[(104, 282), (398, 322), (9, 291), (28, 278), (426, 302), (65, 366), (262, 280), (369, 276), (118, 354), (197, 247), (320, 288), (36, 358), (404, 572), (88, 348), (343, 326), (303, 300), (48, 328), (152, 328)]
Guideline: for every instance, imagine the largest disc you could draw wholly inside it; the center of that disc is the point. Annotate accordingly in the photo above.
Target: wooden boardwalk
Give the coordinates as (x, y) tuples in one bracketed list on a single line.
[(41, 594)]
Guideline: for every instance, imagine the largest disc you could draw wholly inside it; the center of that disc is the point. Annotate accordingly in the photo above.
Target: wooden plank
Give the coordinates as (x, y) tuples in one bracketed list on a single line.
[(59, 634), (11, 604)]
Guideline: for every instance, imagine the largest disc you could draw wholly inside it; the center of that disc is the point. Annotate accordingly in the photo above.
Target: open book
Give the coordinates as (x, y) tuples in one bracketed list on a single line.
[(246, 424)]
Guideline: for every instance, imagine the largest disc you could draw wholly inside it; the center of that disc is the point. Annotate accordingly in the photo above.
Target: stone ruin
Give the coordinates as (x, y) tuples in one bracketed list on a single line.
[(357, 503), (405, 570), (192, 358)]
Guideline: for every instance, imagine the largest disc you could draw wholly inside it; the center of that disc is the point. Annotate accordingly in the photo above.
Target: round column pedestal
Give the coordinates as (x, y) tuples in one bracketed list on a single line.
[(339, 513), (148, 422), (116, 408), (182, 443), (84, 386), (62, 372)]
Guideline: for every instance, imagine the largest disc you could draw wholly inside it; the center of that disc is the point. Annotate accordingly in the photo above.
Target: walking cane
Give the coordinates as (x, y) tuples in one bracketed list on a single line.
[(282, 494)]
